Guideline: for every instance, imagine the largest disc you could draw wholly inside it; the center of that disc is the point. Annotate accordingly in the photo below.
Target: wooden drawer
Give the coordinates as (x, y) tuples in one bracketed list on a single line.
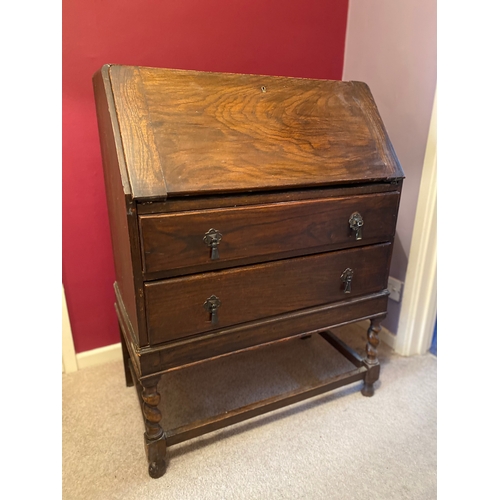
[(175, 307), (174, 241)]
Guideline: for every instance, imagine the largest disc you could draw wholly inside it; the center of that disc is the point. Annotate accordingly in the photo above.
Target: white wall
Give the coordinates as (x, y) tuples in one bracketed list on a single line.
[(391, 45)]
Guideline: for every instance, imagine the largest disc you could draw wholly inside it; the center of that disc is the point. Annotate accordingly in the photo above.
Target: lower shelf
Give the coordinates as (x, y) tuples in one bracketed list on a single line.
[(348, 367), (199, 428)]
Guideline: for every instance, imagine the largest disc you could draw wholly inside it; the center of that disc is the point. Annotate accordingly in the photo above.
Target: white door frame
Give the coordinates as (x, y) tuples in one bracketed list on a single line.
[(419, 304)]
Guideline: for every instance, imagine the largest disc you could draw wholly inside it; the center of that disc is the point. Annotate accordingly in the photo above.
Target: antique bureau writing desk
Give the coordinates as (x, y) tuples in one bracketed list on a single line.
[(244, 210)]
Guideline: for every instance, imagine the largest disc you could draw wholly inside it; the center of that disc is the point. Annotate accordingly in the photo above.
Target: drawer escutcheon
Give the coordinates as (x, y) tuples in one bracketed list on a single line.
[(211, 305), (346, 278), (356, 224), (212, 238)]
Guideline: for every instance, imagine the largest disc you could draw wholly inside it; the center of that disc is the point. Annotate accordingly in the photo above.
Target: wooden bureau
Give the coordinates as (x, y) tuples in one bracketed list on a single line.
[(244, 210)]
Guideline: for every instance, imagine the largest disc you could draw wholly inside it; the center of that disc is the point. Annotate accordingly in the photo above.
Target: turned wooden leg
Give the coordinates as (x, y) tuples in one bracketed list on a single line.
[(126, 361), (371, 360), (154, 438)]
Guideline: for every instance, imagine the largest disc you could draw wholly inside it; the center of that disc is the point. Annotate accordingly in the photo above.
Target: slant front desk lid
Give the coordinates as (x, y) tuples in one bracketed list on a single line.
[(184, 132)]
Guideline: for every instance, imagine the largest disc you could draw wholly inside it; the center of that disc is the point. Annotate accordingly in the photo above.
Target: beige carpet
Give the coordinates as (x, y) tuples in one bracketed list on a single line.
[(340, 445)]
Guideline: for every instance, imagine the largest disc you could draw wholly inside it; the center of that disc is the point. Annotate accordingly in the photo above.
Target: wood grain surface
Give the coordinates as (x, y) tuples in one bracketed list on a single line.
[(189, 132), (175, 307), (176, 240)]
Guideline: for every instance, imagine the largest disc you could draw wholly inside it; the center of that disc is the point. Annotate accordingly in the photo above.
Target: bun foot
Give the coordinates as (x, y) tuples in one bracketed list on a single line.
[(368, 390), (157, 469)]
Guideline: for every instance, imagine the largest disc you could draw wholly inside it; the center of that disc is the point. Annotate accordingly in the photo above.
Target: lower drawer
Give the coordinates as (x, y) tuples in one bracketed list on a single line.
[(180, 307)]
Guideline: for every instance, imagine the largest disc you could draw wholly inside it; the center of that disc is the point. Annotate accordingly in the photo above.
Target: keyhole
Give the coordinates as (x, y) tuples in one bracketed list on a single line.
[(263, 89)]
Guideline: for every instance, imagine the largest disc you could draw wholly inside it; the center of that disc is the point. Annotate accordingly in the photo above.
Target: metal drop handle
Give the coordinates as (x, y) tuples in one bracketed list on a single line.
[(346, 278), (356, 224), (212, 239), (211, 305)]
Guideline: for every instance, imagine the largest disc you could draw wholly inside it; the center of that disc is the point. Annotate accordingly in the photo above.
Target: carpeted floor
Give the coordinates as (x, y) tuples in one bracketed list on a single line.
[(339, 445)]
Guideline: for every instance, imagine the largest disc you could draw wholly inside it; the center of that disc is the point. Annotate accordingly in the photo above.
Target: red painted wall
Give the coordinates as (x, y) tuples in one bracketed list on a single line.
[(302, 38)]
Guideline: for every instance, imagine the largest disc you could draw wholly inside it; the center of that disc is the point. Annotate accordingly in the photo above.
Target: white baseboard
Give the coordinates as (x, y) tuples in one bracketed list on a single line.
[(68, 348), (387, 337), (99, 356)]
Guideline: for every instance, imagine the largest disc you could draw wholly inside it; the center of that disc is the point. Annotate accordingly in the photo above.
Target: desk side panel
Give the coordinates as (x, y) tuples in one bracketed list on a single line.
[(121, 210)]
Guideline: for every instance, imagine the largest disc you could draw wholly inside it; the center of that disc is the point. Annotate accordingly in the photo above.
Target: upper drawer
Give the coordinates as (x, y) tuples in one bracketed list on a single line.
[(180, 240), (180, 307)]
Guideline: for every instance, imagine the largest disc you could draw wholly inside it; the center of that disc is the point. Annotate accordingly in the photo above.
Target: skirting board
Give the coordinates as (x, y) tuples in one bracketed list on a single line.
[(99, 356), (387, 337), (68, 348)]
